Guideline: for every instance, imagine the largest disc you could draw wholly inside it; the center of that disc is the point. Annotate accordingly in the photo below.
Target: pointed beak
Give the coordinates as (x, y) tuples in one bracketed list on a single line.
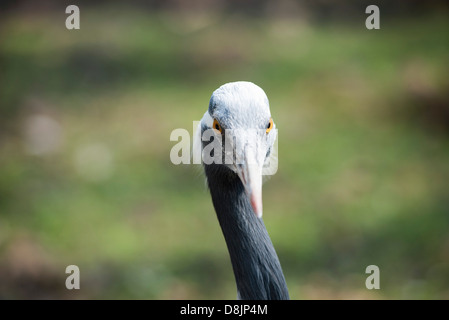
[(250, 173)]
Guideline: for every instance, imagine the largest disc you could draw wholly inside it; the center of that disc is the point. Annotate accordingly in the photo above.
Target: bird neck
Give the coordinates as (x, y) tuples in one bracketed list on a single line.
[(258, 273)]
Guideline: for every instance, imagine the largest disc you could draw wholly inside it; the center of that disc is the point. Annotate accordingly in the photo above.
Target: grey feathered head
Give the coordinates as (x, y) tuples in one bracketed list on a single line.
[(239, 118)]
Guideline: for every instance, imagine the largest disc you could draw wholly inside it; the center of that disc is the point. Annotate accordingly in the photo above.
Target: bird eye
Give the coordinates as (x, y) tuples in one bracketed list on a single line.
[(217, 126), (270, 125)]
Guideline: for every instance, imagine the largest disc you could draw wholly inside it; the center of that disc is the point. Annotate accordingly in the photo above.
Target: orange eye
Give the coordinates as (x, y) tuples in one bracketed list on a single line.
[(217, 126), (270, 125)]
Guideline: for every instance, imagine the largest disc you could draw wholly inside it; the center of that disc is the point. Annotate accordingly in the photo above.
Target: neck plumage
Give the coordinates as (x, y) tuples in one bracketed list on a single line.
[(258, 273)]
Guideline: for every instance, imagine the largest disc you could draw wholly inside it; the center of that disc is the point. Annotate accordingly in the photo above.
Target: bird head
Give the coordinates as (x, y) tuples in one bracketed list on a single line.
[(237, 131)]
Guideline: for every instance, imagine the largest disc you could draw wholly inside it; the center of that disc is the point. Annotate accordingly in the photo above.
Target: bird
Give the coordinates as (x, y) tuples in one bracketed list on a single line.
[(239, 119)]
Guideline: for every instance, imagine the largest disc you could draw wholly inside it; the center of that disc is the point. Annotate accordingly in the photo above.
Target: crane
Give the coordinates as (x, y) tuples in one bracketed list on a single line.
[(235, 184)]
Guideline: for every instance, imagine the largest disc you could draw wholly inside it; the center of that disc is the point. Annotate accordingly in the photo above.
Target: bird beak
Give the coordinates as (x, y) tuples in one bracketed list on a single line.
[(250, 173)]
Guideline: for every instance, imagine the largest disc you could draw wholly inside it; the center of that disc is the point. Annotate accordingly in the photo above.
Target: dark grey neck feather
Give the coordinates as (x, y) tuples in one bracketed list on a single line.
[(257, 270)]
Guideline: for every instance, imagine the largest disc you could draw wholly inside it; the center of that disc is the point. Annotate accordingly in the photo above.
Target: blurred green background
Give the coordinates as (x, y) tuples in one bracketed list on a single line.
[(85, 121)]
